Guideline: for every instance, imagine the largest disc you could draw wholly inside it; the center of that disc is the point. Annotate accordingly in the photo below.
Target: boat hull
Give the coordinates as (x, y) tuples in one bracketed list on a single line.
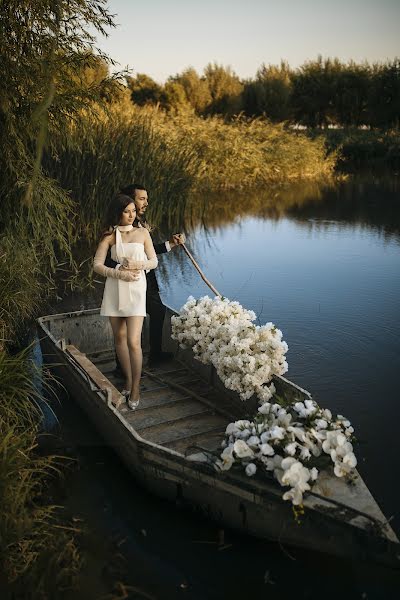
[(251, 505)]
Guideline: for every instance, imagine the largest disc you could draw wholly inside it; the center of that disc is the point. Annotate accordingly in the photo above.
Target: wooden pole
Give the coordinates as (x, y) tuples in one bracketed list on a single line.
[(196, 266)]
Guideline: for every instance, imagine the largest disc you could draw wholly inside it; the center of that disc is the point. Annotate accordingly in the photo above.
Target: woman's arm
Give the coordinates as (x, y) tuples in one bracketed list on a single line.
[(150, 263), (101, 269)]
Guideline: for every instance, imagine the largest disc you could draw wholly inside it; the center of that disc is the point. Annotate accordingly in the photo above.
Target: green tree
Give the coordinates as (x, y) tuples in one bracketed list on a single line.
[(196, 89), (313, 89), (270, 93), (350, 94), (144, 90), (175, 97), (44, 46), (384, 95), (225, 88)]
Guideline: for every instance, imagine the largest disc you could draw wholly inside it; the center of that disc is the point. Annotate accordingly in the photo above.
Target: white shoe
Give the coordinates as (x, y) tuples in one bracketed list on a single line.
[(132, 403)]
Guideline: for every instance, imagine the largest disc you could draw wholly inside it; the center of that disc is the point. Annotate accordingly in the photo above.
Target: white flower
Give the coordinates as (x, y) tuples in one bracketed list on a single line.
[(265, 408), (251, 469), (305, 454), (253, 441), (277, 433), (291, 448), (267, 450), (242, 450), (227, 459), (295, 495)]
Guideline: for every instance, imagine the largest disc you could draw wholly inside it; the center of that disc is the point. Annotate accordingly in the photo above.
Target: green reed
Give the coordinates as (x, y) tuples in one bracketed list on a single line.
[(244, 153), (95, 157)]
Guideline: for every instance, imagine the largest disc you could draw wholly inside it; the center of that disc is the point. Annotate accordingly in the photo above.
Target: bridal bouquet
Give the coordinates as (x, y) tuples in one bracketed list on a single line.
[(222, 333), (288, 440)]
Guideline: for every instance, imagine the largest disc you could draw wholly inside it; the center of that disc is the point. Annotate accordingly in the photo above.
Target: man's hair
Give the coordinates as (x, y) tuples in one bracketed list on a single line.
[(129, 190)]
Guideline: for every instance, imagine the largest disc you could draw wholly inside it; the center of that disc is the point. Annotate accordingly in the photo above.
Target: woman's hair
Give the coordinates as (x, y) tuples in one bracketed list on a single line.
[(114, 213)]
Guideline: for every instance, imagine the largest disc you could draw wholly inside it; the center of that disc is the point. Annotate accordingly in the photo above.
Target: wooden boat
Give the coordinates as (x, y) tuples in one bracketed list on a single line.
[(182, 417)]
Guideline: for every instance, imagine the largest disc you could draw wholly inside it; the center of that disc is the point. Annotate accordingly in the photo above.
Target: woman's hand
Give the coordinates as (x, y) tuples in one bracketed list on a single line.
[(126, 275)]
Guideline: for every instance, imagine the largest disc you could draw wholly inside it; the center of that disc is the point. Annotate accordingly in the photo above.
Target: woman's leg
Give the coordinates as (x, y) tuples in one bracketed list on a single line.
[(120, 332), (134, 328)]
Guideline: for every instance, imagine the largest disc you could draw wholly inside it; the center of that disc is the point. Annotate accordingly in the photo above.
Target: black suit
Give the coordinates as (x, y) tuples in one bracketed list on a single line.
[(154, 306)]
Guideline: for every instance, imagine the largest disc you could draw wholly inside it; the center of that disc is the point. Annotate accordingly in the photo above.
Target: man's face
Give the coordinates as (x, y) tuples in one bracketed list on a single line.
[(141, 202)]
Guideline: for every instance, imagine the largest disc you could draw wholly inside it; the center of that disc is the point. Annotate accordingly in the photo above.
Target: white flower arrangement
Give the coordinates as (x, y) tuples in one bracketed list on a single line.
[(222, 333), (286, 440)]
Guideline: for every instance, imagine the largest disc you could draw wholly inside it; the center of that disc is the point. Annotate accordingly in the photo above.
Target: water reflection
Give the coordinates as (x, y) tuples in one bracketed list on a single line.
[(372, 203)]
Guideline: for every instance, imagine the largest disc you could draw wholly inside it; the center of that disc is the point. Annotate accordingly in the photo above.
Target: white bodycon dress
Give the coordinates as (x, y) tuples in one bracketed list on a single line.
[(136, 305)]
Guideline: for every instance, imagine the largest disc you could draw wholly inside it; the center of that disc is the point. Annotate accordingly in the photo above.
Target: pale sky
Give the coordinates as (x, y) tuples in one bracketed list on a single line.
[(163, 37)]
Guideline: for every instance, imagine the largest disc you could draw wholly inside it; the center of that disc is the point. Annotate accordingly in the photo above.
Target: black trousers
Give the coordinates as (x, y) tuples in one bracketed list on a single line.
[(156, 311)]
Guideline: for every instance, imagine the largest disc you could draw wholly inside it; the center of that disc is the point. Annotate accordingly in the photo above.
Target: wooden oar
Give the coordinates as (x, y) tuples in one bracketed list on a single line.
[(204, 278)]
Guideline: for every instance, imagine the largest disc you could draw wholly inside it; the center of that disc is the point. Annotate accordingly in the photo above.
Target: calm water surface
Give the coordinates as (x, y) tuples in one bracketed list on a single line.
[(324, 266), (327, 273)]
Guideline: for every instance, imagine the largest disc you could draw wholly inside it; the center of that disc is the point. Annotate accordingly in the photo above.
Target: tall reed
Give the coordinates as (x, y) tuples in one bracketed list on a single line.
[(95, 157)]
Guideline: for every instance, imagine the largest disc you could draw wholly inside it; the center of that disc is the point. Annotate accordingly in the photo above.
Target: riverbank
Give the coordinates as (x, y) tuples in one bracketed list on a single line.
[(362, 150)]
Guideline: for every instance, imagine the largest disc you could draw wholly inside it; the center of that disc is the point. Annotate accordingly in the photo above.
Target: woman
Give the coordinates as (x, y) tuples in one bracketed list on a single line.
[(124, 298)]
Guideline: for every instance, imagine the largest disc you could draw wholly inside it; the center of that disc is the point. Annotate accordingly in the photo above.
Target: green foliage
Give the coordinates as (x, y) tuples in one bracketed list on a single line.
[(46, 69), (245, 153), (225, 90), (144, 90), (95, 157), (313, 91), (32, 559), (196, 89), (384, 97), (364, 150), (320, 93), (269, 94)]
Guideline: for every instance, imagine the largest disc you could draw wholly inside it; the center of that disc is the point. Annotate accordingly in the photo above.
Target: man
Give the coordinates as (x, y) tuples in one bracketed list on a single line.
[(155, 307)]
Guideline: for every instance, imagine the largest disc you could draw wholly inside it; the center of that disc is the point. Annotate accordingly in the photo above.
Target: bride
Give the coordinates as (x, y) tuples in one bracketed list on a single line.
[(124, 298)]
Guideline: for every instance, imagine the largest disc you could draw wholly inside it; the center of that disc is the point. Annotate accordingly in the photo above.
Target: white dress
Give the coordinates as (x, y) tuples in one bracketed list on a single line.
[(136, 307)]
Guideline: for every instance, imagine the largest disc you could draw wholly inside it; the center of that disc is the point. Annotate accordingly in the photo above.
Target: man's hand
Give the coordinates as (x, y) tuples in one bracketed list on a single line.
[(129, 264), (177, 239)]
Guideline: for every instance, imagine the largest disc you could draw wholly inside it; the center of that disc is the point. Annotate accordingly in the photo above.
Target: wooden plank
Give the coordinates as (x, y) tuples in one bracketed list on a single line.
[(166, 416), (184, 428), (193, 392), (210, 442), (93, 374), (154, 402)]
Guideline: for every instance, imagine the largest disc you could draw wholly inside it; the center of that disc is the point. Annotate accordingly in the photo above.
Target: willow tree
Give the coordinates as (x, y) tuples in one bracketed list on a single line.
[(46, 50), (47, 60)]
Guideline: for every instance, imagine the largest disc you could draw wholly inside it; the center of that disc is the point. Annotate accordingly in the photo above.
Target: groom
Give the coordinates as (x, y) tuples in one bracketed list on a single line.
[(155, 307)]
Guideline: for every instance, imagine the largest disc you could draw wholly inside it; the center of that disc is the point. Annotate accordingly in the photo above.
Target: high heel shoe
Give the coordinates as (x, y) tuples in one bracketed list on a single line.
[(133, 404)]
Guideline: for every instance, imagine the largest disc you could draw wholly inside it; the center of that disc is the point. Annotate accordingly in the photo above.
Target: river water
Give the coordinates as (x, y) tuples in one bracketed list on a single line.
[(322, 263)]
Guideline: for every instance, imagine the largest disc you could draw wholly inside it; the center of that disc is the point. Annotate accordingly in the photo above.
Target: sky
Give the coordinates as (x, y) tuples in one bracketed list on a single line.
[(163, 37)]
